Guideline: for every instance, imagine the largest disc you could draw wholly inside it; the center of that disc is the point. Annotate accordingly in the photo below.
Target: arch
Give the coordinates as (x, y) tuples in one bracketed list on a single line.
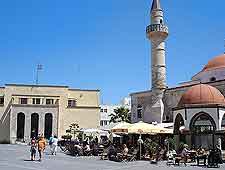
[(20, 126), (223, 122), (48, 125), (34, 125), (179, 121), (203, 129), (198, 120), (222, 136)]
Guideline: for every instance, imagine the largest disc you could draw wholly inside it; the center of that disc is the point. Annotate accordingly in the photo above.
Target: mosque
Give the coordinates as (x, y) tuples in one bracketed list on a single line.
[(196, 108)]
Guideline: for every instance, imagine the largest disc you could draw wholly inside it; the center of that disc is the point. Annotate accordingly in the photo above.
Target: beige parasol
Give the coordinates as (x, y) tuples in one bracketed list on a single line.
[(145, 128)]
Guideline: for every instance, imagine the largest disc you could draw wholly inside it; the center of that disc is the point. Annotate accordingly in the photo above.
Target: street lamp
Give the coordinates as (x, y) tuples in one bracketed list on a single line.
[(140, 141)]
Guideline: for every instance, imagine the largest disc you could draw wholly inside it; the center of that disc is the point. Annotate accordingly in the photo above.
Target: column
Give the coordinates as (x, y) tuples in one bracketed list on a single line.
[(27, 129)]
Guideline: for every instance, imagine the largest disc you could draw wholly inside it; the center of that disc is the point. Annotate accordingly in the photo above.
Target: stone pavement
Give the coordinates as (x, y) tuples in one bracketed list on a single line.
[(16, 157)]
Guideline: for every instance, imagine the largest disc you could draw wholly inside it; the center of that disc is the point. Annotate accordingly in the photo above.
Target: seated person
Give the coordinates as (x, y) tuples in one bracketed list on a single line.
[(184, 154), (86, 149), (79, 150), (124, 153), (112, 154), (218, 155), (125, 150), (200, 151), (162, 154)]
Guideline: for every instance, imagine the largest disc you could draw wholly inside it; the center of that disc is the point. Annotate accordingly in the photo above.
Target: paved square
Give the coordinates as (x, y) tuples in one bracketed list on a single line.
[(16, 157)]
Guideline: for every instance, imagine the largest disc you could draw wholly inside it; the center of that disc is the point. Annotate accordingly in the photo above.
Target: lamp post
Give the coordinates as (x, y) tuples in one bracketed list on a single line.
[(140, 141)]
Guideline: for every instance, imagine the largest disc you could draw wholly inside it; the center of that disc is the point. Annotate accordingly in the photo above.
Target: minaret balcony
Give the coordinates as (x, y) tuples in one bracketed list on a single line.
[(160, 28)]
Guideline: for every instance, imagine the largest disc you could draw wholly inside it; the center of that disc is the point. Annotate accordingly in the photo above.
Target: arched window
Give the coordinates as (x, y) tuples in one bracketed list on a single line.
[(202, 123), (223, 122), (179, 122), (203, 129), (48, 125), (34, 125), (20, 126)]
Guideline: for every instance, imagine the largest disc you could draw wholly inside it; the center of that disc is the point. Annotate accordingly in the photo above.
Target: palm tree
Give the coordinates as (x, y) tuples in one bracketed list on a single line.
[(120, 114)]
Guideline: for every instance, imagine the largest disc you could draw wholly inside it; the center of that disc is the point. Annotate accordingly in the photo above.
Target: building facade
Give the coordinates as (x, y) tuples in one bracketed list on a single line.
[(156, 104), (196, 107), (107, 110), (29, 110)]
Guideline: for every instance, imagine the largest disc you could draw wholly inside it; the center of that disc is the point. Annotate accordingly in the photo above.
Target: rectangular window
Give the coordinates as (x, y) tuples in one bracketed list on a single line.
[(101, 123), (105, 110), (23, 100), (72, 103), (101, 110), (36, 101), (1, 100), (105, 122), (139, 112), (49, 101)]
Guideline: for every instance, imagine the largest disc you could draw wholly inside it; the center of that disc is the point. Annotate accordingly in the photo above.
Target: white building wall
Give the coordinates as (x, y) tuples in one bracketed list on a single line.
[(107, 110), (222, 114), (191, 112)]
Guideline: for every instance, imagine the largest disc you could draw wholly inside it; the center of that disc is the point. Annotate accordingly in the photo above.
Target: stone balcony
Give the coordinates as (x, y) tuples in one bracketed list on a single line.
[(157, 28)]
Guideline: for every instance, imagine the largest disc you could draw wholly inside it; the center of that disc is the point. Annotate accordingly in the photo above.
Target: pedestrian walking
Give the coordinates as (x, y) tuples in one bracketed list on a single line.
[(41, 146), (33, 148), (54, 145), (50, 143)]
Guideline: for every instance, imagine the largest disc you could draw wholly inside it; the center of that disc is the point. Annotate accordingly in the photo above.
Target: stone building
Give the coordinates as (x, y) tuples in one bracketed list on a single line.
[(161, 103), (29, 110)]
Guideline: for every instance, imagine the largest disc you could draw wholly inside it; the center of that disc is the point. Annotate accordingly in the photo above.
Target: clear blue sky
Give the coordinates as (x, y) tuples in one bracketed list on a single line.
[(102, 44)]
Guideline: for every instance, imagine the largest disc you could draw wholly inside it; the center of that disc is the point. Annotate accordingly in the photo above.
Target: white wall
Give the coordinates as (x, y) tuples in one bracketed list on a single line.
[(191, 112)]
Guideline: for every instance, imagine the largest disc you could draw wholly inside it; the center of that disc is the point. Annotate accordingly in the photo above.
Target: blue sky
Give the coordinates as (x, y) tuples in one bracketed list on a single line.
[(102, 44)]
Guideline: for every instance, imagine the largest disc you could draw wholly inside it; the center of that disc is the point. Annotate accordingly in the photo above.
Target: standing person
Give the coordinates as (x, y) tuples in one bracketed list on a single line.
[(54, 145), (33, 148), (50, 142), (96, 140), (41, 147)]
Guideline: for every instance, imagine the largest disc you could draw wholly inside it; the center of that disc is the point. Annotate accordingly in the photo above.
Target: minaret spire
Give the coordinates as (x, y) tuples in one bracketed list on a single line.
[(157, 32), (155, 5)]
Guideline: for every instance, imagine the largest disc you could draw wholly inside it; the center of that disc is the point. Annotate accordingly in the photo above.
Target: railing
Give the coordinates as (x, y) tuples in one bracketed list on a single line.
[(157, 28)]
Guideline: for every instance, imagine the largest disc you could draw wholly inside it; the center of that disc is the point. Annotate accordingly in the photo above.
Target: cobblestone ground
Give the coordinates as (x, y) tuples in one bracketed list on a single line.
[(16, 157)]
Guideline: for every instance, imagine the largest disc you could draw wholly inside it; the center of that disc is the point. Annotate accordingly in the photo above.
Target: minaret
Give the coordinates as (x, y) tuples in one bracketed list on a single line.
[(157, 32)]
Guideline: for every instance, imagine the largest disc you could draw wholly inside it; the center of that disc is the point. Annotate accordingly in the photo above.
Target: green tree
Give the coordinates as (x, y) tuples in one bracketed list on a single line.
[(73, 130), (121, 114)]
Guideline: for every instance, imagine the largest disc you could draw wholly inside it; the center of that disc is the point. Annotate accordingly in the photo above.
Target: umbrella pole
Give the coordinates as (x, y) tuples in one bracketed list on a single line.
[(140, 147)]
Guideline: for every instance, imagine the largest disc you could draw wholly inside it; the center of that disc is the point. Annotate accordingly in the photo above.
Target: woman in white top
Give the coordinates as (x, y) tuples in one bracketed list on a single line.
[(54, 145)]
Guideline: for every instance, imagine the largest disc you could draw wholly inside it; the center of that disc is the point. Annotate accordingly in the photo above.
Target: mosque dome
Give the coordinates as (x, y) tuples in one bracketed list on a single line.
[(202, 94), (215, 63)]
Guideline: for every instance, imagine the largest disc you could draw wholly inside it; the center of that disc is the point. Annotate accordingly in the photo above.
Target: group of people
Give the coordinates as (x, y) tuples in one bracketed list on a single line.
[(199, 154), (39, 145), (115, 154), (85, 148)]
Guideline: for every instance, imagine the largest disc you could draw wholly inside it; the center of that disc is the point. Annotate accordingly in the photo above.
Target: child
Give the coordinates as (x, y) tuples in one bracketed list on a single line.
[(33, 149)]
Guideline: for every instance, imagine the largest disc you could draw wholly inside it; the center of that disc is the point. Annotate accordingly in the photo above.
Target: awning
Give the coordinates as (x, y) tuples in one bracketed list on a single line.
[(122, 127)]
